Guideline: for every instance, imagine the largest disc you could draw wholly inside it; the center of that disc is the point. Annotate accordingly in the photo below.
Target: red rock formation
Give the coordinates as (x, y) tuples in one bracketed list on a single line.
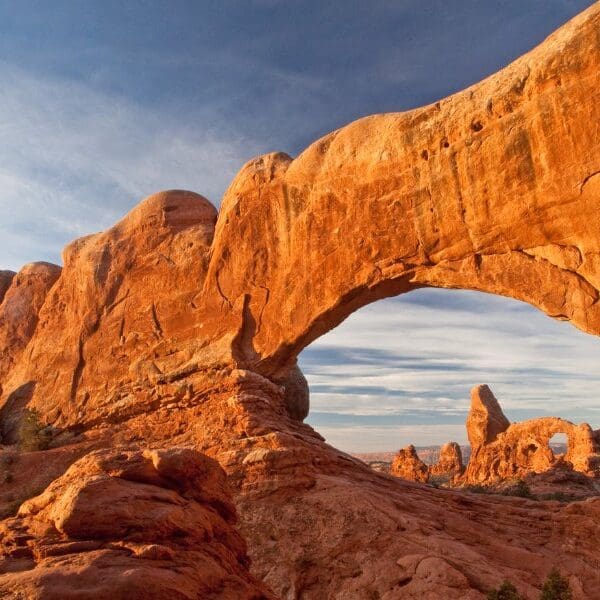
[(485, 419), (450, 462), (155, 331), (501, 451), (129, 524), (6, 278), (450, 219), (407, 465), (21, 298)]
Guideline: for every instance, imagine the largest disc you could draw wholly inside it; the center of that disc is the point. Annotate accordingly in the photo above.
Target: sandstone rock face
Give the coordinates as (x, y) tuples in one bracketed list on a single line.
[(129, 524), (407, 465), (486, 419), (6, 278), (501, 451), (21, 298), (450, 462), (121, 293), (177, 328)]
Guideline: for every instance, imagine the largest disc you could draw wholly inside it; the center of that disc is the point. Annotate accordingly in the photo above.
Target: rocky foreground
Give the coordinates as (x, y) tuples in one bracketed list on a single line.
[(173, 337)]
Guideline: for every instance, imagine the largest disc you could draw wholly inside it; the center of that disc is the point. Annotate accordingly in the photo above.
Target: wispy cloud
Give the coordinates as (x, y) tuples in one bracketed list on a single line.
[(73, 160)]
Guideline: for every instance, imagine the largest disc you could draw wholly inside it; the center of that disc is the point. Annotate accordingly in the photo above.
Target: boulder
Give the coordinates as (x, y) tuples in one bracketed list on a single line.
[(126, 524)]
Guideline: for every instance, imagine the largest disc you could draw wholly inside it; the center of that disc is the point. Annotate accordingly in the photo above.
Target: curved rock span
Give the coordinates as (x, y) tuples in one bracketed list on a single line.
[(181, 327)]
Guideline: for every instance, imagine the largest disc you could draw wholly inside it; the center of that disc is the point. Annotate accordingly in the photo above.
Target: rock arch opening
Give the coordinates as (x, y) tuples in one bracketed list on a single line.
[(399, 371), (559, 444)]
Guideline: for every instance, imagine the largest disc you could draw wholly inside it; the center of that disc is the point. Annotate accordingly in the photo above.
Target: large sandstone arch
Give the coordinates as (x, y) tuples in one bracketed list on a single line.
[(170, 330), (496, 188)]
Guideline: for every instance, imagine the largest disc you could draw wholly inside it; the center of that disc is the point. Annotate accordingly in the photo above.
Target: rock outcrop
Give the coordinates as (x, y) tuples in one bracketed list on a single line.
[(129, 524), (450, 462), (407, 465), (501, 451), (504, 452), (176, 327), (485, 419), (21, 298), (6, 278)]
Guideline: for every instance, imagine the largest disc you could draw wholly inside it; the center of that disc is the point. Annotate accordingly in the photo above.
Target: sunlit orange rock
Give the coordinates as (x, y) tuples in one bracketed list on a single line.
[(407, 465), (501, 451), (129, 524), (180, 328), (21, 298), (450, 461)]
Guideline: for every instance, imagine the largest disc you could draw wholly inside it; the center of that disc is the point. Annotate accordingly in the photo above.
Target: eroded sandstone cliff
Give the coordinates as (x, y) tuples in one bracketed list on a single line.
[(180, 328)]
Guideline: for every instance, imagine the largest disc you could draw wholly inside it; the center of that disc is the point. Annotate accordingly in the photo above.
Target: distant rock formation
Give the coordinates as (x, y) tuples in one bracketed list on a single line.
[(500, 450), (503, 451), (150, 524), (486, 419), (450, 462), (407, 465)]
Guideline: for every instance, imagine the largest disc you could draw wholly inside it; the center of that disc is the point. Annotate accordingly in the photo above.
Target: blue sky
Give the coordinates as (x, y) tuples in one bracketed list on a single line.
[(103, 103)]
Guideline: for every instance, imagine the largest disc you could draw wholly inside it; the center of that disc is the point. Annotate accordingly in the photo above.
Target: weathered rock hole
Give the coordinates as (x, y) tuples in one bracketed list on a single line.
[(425, 155), (559, 444)]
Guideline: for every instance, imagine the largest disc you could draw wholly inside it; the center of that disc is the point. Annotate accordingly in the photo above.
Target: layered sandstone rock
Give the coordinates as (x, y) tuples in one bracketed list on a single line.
[(450, 462), (175, 327), (501, 451), (129, 524), (21, 298), (485, 419), (407, 465), (6, 278)]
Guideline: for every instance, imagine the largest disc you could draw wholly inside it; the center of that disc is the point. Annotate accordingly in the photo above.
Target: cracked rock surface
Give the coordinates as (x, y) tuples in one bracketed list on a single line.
[(180, 327)]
